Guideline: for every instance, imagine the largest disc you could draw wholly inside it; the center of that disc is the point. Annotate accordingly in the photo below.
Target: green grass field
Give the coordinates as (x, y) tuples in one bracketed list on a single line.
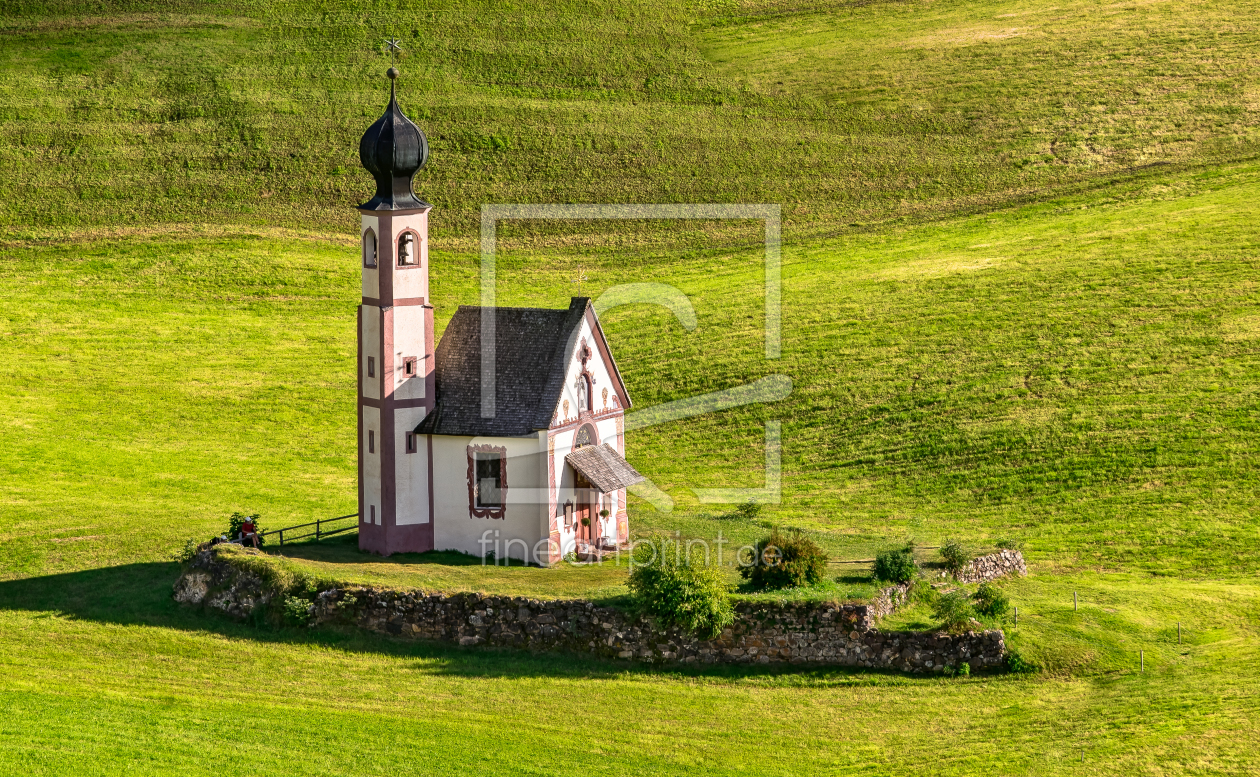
[(1019, 301)]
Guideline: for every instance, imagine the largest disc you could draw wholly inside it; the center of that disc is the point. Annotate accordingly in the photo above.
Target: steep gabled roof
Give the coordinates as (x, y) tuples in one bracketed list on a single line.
[(534, 349)]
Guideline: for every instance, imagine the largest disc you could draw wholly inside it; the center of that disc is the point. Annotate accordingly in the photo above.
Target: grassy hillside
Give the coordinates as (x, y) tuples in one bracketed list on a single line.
[(847, 113), (1078, 374)]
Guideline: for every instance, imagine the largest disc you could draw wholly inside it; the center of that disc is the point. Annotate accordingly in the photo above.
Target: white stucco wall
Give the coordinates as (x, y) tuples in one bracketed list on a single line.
[(371, 464), (606, 429), (370, 339), (409, 339), (410, 282), (600, 373), (454, 529), (411, 470), (371, 275)]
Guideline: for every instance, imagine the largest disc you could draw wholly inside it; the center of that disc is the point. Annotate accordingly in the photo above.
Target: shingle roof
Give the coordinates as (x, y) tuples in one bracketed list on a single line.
[(604, 467), (534, 346)]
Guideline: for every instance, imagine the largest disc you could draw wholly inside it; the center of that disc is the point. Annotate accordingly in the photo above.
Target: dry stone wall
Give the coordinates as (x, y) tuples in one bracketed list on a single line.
[(1004, 563), (763, 633)]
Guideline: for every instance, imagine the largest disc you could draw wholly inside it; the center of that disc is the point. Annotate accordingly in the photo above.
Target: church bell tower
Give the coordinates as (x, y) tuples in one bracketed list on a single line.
[(395, 336)]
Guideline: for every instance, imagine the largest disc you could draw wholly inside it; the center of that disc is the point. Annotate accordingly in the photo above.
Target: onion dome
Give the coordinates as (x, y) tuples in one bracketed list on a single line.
[(393, 150)]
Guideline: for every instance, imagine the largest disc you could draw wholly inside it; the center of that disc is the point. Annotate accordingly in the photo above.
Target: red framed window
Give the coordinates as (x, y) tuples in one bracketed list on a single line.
[(409, 367)]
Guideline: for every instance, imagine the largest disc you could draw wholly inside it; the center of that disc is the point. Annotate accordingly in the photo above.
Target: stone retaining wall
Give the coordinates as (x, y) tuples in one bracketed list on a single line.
[(1004, 563), (763, 633)]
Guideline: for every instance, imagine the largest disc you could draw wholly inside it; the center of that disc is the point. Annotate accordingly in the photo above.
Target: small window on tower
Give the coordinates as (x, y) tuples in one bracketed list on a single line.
[(407, 249), (369, 249), (409, 367), (411, 442), (371, 441), (371, 366)]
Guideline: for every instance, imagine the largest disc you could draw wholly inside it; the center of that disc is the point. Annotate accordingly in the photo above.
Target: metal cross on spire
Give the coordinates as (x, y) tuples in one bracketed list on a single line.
[(395, 48), (581, 277)]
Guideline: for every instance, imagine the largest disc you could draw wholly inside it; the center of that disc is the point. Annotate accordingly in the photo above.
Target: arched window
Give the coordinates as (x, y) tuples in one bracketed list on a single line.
[(408, 250), (584, 437), (369, 248)]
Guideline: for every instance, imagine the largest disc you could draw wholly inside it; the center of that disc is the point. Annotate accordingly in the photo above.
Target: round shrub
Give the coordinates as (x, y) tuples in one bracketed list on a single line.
[(788, 560), (991, 601), (955, 556), (954, 610), (680, 588), (895, 566)]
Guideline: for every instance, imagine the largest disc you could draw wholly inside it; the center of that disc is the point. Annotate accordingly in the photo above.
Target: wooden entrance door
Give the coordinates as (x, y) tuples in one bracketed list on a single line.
[(584, 511)]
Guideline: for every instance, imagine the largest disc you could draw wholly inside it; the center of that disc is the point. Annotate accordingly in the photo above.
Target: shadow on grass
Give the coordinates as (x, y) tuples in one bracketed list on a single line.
[(344, 549), (140, 595)]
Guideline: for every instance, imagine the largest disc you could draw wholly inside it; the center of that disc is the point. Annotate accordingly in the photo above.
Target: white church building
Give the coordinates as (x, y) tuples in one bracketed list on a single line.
[(535, 474)]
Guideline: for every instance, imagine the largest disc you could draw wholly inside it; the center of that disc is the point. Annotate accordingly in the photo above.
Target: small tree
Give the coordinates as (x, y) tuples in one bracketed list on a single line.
[(991, 601), (955, 556), (895, 566), (954, 610), (681, 590), (788, 560)]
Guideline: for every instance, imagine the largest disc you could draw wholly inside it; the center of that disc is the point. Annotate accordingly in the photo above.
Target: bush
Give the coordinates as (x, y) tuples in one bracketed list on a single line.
[(748, 511), (955, 556), (954, 610), (186, 553), (895, 566), (237, 520), (1009, 543), (991, 601), (679, 589), (297, 611), (787, 560), (1016, 663)]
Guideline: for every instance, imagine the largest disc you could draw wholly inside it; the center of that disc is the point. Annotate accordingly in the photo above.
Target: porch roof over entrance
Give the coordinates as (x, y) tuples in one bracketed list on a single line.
[(604, 467)]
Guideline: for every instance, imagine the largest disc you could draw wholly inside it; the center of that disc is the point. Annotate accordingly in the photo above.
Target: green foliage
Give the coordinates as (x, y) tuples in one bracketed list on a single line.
[(895, 566), (1009, 543), (680, 588), (954, 610), (963, 669), (237, 520), (990, 600), (296, 611), (785, 560), (955, 556), (1016, 663), (186, 553)]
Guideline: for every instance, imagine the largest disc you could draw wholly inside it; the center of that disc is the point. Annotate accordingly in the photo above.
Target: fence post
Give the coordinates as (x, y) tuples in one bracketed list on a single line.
[(1142, 658), (316, 528), (282, 538), (1075, 607)]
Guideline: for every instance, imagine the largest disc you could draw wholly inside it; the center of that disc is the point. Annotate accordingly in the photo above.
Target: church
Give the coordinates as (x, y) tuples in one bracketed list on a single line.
[(535, 474)]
